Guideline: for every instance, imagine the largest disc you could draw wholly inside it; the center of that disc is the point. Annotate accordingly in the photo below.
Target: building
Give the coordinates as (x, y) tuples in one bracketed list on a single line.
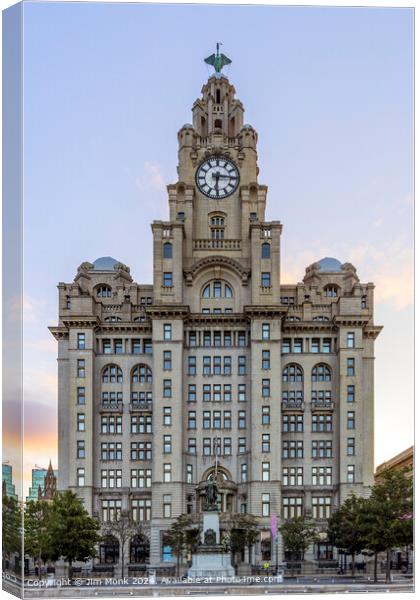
[(217, 369), (403, 460), (44, 483), (7, 481)]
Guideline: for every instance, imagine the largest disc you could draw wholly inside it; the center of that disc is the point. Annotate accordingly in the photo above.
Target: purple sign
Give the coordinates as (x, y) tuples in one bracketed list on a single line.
[(274, 531)]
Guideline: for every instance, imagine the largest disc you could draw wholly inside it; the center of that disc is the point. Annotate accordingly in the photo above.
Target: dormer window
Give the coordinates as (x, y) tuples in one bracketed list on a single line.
[(330, 291), (103, 291)]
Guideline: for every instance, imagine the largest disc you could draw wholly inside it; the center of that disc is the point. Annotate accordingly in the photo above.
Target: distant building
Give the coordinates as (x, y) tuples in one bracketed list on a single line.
[(8, 485), (400, 461), (44, 483)]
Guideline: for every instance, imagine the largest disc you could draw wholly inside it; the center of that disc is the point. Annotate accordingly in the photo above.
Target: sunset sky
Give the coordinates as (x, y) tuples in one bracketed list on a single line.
[(330, 92)]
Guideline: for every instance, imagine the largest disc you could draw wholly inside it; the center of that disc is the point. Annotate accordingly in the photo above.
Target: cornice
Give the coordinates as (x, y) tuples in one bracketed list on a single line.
[(266, 310), (167, 310), (212, 319), (372, 331), (351, 320), (59, 332)]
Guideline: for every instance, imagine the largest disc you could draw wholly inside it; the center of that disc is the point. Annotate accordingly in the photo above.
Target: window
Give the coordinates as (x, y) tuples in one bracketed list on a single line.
[(298, 345), (136, 346), (265, 500), (227, 392), (81, 453), (112, 374), (80, 341), (206, 393), (286, 345), (265, 331), (217, 419), (227, 419), (265, 388), (321, 423), (241, 445), (206, 365), (141, 478), (330, 291), (192, 336), (265, 442), (81, 424), (81, 476), (292, 476), (227, 446), (217, 392), (321, 475), (321, 507), (292, 373), (315, 345), (265, 360), (167, 388), (111, 424), (81, 368), (227, 339), (192, 445), (167, 506), (350, 367), (265, 469), (292, 449), (241, 339), (292, 423), (217, 224), (321, 373), (141, 451), (81, 395), (189, 473), (111, 478), (192, 419), (350, 393), (241, 392), (141, 509), (350, 473), (167, 280), (167, 360), (106, 346), (104, 291), (140, 374), (244, 473), (241, 419), (207, 446), (350, 339), (167, 415), (218, 289), (364, 302), (167, 444), (265, 415), (192, 365), (111, 451), (118, 346), (292, 507), (326, 345), (167, 472), (227, 365), (241, 365), (167, 332), (265, 250), (350, 446), (147, 346), (217, 365), (167, 250), (265, 280), (322, 449), (350, 419), (192, 393)]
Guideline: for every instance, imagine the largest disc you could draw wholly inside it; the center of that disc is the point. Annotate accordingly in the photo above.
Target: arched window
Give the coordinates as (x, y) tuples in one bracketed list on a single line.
[(140, 319), (113, 319), (292, 373), (321, 373), (221, 474), (330, 291), (112, 374), (139, 550), (321, 318), (103, 291), (141, 374), (292, 318), (167, 250), (217, 289), (109, 551), (265, 250)]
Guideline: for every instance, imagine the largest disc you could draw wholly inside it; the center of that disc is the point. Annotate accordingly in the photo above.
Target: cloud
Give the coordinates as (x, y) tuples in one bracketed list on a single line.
[(151, 178)]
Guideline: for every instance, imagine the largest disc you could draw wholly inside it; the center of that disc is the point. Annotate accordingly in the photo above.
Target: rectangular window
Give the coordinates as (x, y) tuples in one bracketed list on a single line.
[(192, 393), (350, 393), (265, 280), (167, 360), (189, 473), (81, 341), (321, 423), (350, 367), (217, 392), (227, 419), (315, 345), (227, 339), (241, 445), (206, 365), (217, 339), (265, 500), (206, 419), (350, 339), (322, 449), (81, 368), (141, 478), (167, 444), (81, 476), (81, 395), (350, 419), (297, 345), (81, 424), (351, 446), (141, 509), (227, 365), (167, 331), (206, 393), (118, 346), (227, 392), (167, 472), (217, 365), (265, 360), (321, 476), (241, 339), (286, 346), (81, 453), (244, 472), (207, 339), (321, 507), (241, 392), (227, 446), (136, 346), (193, 338), (241, 419), (192, 419), (292, 507), (167, 506), (265, 442), (207, 446), (192, 445), (265, 468), (106, 346), (364, 302), (167, 388), (147, 346), (292, 423), (241, 365), (111, 510), (217, 419), (265, 331), (350, 473), (265, 388), (292, 476), (192, 365), (167, 415), (326, 345), (167, 280), (265, 415)]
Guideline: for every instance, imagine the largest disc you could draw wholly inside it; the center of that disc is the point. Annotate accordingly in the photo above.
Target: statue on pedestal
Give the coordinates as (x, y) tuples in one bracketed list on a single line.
[(211, 495)]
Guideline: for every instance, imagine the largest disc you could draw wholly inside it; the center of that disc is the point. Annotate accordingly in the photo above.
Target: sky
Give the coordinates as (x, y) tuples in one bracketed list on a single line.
[(330, 92)]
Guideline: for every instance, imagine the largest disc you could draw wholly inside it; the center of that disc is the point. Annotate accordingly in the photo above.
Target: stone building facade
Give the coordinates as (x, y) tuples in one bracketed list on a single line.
[(217, 369)]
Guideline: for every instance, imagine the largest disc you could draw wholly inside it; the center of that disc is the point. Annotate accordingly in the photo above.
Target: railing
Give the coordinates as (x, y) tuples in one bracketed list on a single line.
[(112, 406), (222, 244), (265, 289), (141, 405), (111, 308), (322, 404), (292, 405)]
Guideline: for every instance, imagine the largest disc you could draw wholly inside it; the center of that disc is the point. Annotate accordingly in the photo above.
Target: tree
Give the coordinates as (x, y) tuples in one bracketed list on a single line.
[(298, 534), (37, 541), (182, 537), (11, 526), (390, 514), (347, 527), (244, 532), (123, 528), (73, 533)]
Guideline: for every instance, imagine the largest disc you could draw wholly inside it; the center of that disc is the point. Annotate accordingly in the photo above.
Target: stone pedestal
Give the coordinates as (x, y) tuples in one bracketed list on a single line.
[(210, 560)]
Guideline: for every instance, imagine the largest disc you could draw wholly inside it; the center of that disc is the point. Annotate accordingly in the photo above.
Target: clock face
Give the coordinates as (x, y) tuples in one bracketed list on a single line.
[(217, 177)]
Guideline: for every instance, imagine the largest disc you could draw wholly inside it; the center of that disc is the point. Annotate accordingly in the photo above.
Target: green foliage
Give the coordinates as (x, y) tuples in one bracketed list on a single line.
[(346, 526), (11, 526), (37, 542), (73, 533), (298, 534), (182, 535), (243, 533)]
